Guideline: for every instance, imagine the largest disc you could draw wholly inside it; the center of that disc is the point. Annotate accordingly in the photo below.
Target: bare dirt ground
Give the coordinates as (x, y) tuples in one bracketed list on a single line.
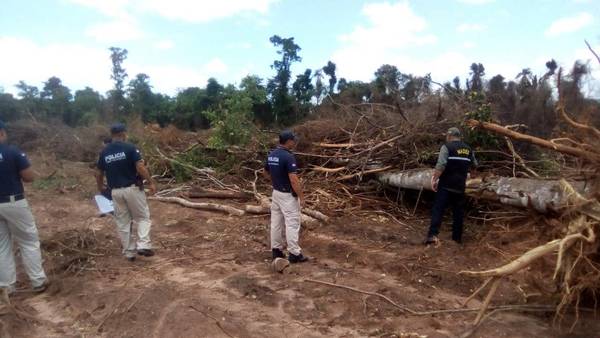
[(211, 277)]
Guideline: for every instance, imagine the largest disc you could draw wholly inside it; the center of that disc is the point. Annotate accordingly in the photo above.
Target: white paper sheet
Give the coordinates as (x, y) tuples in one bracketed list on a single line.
[(104, 204)]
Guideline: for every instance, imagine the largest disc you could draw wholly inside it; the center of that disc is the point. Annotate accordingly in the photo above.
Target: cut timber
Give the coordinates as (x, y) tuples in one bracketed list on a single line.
[(498, 129), (202, 206), (541, 195), (308, 215), (218, 194)]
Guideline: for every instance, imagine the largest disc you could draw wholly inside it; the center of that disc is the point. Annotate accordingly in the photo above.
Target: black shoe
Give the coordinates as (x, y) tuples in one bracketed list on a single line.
[(431, 240), (131, 259), (41, 288), (297, 258), (145, 252), (277, 253)]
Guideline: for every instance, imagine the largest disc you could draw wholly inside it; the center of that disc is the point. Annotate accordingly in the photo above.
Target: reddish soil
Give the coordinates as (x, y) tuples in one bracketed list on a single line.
[(211, 277)]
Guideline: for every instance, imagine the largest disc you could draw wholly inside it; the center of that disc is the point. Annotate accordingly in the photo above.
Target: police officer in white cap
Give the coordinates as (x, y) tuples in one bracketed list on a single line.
[(122, 162), (17, 225)]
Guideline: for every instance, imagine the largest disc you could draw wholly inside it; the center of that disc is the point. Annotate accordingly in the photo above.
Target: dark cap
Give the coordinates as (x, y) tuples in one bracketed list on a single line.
[(287, 135), (454, 132), (118, 128), (2, 125)]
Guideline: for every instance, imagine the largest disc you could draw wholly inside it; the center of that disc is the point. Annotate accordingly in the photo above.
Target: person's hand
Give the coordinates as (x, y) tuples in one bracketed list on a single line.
[(152, 189), (434, 184)]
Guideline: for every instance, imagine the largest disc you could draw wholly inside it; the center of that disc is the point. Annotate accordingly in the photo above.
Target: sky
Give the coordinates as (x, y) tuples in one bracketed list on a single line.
[(181, 43)]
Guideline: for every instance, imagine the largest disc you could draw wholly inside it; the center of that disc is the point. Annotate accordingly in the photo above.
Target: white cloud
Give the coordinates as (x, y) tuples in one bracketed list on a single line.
[(115, 31), (570, 24), (184, 10), (469, 44), (215, 66), (476, 2), (79, 66), (392, 29), (164, 44), (112, 8), (470, 27), (204, 10)]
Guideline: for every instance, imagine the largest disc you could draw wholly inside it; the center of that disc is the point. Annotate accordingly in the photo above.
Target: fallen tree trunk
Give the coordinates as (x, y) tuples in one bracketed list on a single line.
[(308, 215), (218, 194), (202, 206), (541, 195)]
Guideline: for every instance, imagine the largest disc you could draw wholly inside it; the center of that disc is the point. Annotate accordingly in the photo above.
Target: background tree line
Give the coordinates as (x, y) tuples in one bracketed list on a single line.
[(284, 100)]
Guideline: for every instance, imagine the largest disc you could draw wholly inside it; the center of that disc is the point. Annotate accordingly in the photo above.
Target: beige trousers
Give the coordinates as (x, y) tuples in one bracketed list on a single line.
[(17, 225), (131, 208), (285, 222)]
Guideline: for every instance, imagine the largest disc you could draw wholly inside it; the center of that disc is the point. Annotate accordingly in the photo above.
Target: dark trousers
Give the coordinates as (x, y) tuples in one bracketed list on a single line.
[(457, 200)]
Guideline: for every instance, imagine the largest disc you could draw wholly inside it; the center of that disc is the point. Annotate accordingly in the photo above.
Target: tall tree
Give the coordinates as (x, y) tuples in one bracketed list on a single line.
[(477, 74), (9, 107), (118, 75), (252, 87), (329, 70), (141, 97), (387, 79), (278, 86), (303, 87), (87, 105), (56, 98), (30, 98)]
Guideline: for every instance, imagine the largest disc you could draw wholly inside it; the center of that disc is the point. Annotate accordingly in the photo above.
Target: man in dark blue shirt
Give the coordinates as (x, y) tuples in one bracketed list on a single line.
[(16, 220), (287, 199), (121, 163), (448, 181)]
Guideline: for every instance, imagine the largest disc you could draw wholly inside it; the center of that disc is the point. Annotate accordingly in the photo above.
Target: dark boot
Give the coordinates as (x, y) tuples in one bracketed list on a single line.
[(297, 258), (145, 252), (277, 253)]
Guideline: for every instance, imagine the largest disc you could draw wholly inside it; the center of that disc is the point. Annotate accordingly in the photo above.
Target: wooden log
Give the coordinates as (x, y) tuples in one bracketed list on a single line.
[(308, 215), (202, 206), (498, 129), (540, 195), (218, 194)]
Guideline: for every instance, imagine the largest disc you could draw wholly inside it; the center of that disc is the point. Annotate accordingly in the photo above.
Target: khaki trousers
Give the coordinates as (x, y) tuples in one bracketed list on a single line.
[(17, 225), (131, 208), (285, 222)]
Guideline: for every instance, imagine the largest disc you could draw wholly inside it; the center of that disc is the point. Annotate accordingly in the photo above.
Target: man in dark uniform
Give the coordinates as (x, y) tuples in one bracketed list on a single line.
[(448, 181), (121, 162), (16, 220), (287, 199)]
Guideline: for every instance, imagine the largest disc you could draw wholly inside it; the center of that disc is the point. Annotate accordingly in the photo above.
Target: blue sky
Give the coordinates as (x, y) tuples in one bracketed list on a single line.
[(181, 43)]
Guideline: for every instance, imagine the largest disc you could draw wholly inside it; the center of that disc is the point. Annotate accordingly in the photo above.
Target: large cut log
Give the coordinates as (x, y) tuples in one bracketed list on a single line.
[(541, 195)]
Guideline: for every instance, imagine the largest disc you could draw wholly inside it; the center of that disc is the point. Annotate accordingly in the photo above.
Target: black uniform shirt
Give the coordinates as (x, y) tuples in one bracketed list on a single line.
[(280, 163), (118, 161), (12, 162)]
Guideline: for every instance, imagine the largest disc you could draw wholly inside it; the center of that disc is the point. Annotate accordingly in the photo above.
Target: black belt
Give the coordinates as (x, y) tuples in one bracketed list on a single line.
[(125, 186), (12, 198), (283, 191)]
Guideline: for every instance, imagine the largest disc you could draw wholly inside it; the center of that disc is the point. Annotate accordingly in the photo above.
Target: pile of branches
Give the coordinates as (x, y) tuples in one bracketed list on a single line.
[(577, 248)]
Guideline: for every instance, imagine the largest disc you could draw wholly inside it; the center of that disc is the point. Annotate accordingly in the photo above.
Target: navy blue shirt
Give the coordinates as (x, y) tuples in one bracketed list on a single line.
[(12, 162), (117, 161), (280, 163)]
